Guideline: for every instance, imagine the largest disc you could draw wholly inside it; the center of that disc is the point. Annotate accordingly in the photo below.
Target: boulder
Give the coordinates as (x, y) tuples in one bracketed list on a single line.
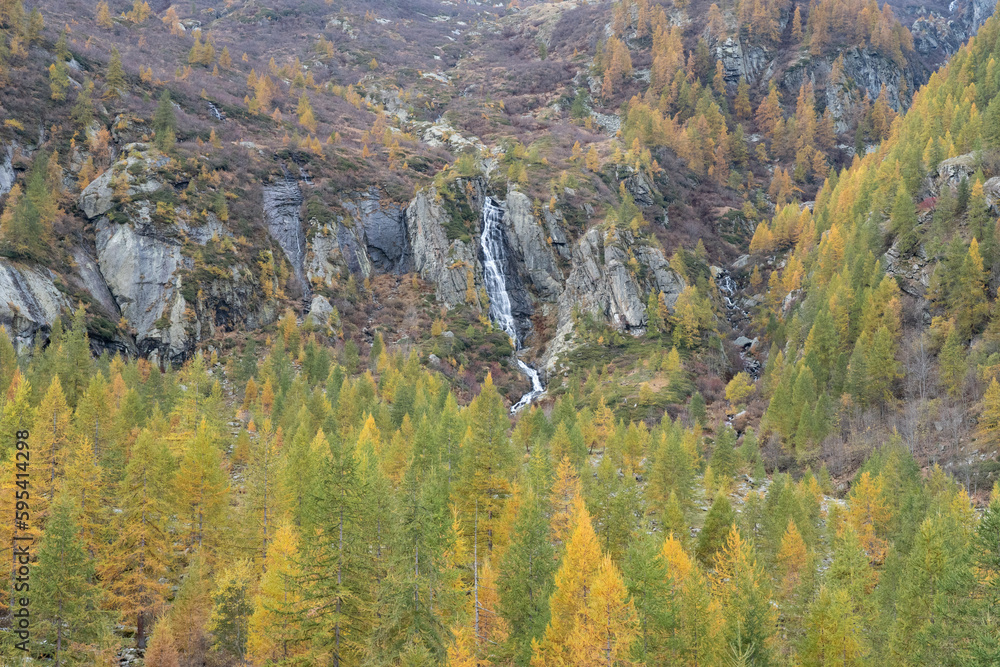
[(950, 172), (319, 312)]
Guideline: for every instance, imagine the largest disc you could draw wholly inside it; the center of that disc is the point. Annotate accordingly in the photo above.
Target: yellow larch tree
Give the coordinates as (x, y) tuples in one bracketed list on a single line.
[(565, 492), (697, 625), (51, 442), (608, 624), (869, 513), (104, 16), (572, 587), (272, 633), (740, 585)]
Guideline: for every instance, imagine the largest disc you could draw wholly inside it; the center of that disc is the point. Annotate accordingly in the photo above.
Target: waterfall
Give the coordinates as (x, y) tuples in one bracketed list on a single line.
[(494, 264)]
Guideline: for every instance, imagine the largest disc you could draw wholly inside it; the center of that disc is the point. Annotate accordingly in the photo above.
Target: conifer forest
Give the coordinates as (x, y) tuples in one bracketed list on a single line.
[(532, 333)]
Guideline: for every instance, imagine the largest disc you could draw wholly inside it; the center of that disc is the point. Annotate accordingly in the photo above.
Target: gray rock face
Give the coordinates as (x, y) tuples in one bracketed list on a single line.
[(553, 224), (528, 238), (446, 264), (980, 11), (351, 243), (602, 284), (641, 188), (201, 235), (322, 253), (870, 71), (383, 225), (29, 302), (140, 269), (282, 204), (7, 175), (864, 72), (98, 197), (89, 274), (747, 61)]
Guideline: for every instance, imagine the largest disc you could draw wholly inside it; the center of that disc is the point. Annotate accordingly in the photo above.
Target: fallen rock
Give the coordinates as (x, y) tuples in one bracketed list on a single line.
[(319, 312)]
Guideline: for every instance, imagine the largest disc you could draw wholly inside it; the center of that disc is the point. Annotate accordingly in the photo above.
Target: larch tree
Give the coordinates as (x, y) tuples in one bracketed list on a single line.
[(740, 585), (526, 577), (264, 497), (201, 490), (607, 625), (273, 633), (232, 606), (487, 464), (690, 636), (573, 582), (51, 436), (139, 557), (834, 632), (162, 651), (114, 81), (71, 623), (104, 16)]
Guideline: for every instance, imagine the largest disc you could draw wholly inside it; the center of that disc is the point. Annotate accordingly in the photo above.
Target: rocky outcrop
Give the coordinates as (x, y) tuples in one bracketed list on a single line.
[(638, 184), (322, 254), (141, 269), (282, 205), (351, 244), (978, 11), (89, 278), (98, 197), (446, 264), (7, 174), (746, 61), (528, 239), (991, 188), (381, 228), (603, 284), (31, 302), (865, 72), (950, 172), (553, 224)]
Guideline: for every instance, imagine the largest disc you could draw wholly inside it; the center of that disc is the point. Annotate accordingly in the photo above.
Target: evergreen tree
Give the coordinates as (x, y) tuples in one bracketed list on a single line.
[(232, 605), (718, 525), (165, 123), (69, 624), (114, 80), (525, 578)]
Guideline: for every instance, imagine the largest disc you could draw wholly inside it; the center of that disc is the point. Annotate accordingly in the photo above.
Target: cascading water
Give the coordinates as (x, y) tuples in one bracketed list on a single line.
[(494, 265)]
